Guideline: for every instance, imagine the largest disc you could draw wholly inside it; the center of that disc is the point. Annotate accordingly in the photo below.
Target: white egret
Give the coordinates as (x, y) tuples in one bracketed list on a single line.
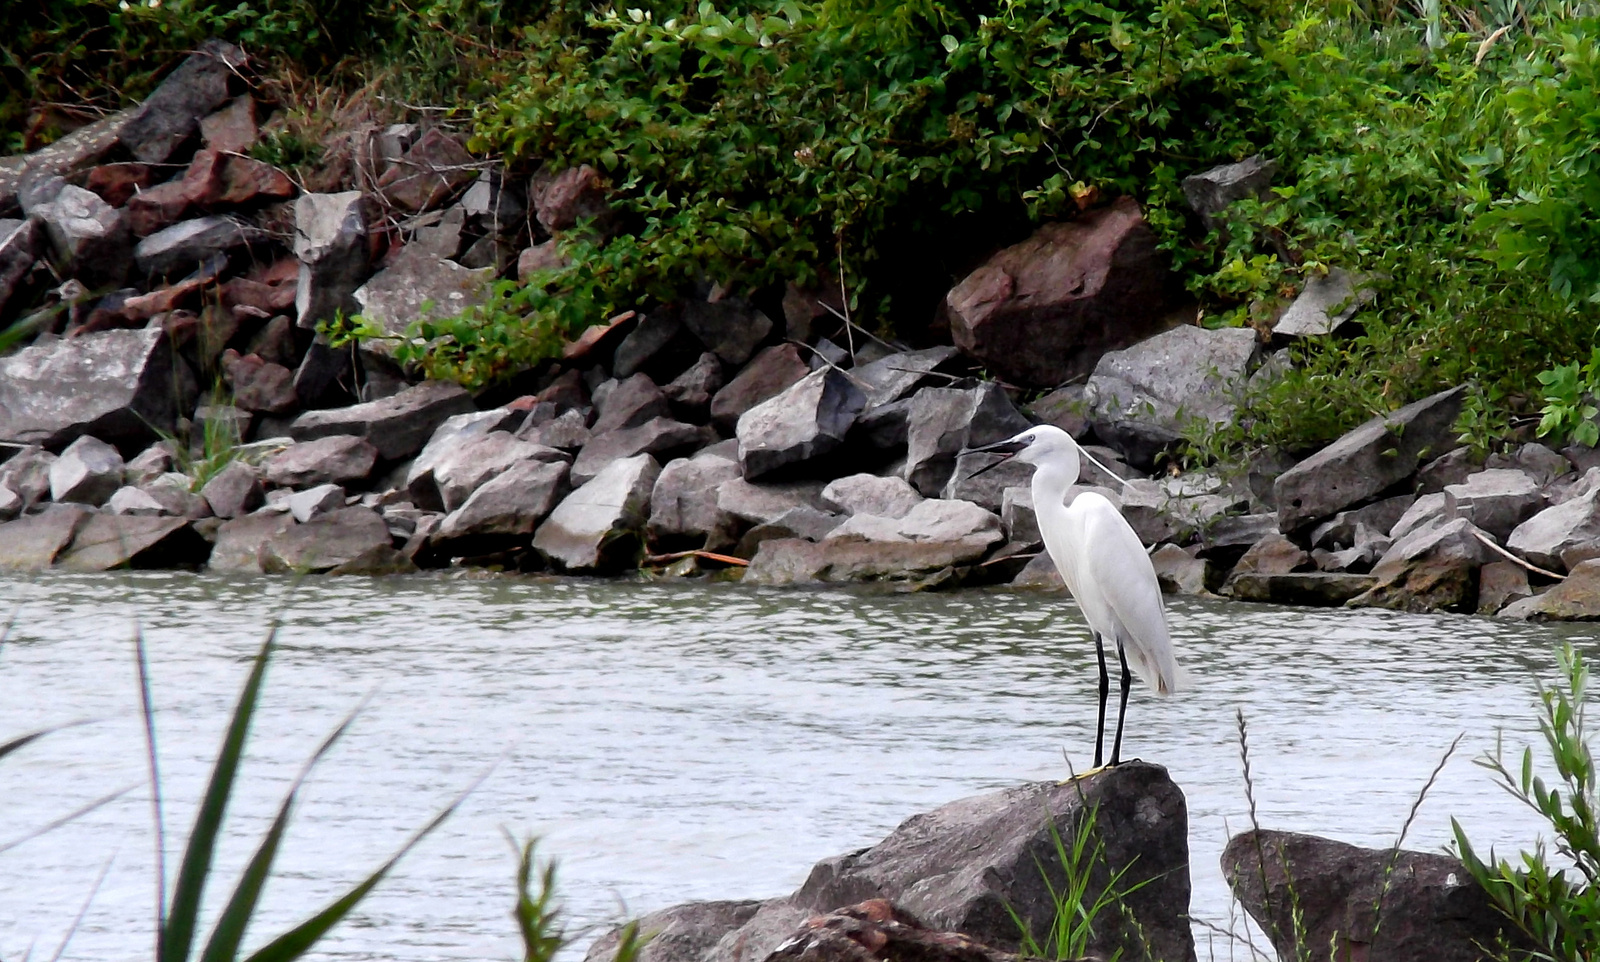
[(1103, 564)]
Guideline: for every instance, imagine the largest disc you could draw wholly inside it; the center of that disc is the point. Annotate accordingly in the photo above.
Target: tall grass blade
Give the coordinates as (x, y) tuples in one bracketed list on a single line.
[(70, 817), (147, 711), (88, 901), (177, 936), (22, 740)]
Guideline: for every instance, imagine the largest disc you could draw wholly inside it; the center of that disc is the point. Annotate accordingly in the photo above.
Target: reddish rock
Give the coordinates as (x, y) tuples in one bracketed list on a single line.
[(566, 391), (216, 180), (1042, 312), (433, 169), (540, 257), (233, 128), (275, 342), (269, 299), (116, 183), (599, 341), (159, 207), (576, 194), (259, 385), (768, 374), (283, 271)]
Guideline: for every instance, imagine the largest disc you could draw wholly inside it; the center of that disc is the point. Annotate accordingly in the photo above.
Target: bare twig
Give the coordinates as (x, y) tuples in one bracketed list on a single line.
[(695, 553), (1513, 558)]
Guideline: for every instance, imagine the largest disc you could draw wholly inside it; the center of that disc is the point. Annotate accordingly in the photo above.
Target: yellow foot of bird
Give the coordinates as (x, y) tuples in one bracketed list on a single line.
[(1097, 770)]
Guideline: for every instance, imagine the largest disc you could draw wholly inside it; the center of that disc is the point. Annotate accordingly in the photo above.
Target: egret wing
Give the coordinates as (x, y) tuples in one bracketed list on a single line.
[(1126, 580)]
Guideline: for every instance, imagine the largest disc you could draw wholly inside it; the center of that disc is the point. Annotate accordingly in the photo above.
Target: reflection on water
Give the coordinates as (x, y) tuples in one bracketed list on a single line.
[(675, 742)]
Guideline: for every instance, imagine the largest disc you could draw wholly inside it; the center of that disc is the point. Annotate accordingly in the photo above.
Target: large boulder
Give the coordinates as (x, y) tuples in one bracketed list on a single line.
[(237, 549), (878, 931), (32, 542), (337, 459), (89, 471), (185, 245), (121, 386), (447, 439), (1575, 599), (768, 374), (598, 526), (1146, 397), (932, 538), (766, 502), (418, 285), (1042, 312), (1319, 900), (1379, 516), (81, 148), (890, 378), (504, 511), (806, 421), (684, 512), (397, 426), (870, 494), (90, 238), (471, 464), (631, 403), (326, 542), (171, 115), (330, 241), (1429, 569), (943, 422), (1380, 453), (1556, 531), (108, 541), (1497, 500)]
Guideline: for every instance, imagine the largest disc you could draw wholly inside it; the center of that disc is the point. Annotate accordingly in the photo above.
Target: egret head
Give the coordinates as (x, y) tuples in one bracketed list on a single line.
[(1040, 445)]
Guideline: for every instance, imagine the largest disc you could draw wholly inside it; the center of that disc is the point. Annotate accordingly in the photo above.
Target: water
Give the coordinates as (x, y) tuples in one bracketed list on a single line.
[(676, 742)]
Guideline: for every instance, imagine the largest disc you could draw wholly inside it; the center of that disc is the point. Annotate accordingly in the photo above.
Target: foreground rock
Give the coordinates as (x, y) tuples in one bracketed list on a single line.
[(878, 931), (1360, 903), (32, 543), (1430, 569), (599, 526), (107, 541), (1575, 599), (959, 866), (804, 422), (338, 539), (397, 426), (924, 547)]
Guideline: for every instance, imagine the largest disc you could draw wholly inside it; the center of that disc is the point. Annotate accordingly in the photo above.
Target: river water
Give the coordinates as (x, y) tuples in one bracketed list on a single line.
[(683, 741)]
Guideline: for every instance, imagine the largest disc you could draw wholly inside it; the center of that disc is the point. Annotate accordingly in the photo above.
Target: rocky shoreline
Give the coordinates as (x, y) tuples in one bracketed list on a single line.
[(170, 402)]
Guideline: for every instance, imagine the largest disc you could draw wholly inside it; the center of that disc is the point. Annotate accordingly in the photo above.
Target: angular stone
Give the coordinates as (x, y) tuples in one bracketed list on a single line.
[(180, 248), (692, 392), (1273, 555), (1380, 453), (108, 541), (1367, 549), (1425, 512), (505, 510), (395, 296), (90, 238), (768, 374), (315, 502), (171, 115), (1067, 409), (649, 338), (888, 379), (1039, 572), (598, 526), (1324, 305), (435, 167), (1497, 500), (259, 385), (1544, 538), (1310, 589), (1541, 463), (572, 196), (21, 242), (1180, 573), (88, 472), (806, 421), (1452, 467), (1173, 511), (474, 461), (869, 494), (1499, 584), (1380, 516), (632, 403), (684, 509), (1211, 191), (233, 128), (447, 438), (730, 328), (175, 493), (325, 377), (233, 491), (82, 148), (163, 205), (802, 522), (791, 561), (942, 422), (493, 205), (1042, 312), (931, 520), (238, 546), (1575, 599), (215, 180), (1430, 569), (1145, 398), (336, 459), (662, 437), (32, 542), (1233, 531), (397, 426), (987, 490), (541, 258), (274, 343), (325, 542), (11, 503), (330, 241), (380, 559), (766, 502), (1018, 516)]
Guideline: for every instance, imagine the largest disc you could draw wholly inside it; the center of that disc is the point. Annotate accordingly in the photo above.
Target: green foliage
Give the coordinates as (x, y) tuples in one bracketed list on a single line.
[(1569, 401), (1072, 923), (1558, 908), (537, 915)]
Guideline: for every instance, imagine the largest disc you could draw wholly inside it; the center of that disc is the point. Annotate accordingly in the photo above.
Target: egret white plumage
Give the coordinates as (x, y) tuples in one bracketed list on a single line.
[(1104, 565)]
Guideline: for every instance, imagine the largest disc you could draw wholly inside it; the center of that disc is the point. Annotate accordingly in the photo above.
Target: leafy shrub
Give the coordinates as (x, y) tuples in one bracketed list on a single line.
[(1569, 401)]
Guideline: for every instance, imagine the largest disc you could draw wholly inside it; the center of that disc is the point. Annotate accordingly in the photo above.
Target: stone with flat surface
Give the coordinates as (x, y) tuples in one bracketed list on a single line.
[(599, 526), (108, 541), (397, 426), (32, 542), (325, 542)]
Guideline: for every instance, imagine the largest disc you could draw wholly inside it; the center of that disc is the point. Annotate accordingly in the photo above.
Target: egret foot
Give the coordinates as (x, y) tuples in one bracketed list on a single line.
[(1086, 773)]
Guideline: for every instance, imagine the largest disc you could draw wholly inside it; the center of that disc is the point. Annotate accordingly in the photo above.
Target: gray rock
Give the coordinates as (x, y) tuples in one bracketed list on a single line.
[(1500, 583), (81, 148), (397, 426), (730, 328), (28, 474), (1325, 305), (21, 242), (802, 522), (325, 542), (233, 491), (598, 527), (987, 490), (183, 246), (1453, 467), (652, 335), (807, 421), (175, 494), (1380, 453), (108, 541), (1309, 589), (493, 205), (149, 464), (446, 439), (1039, 572), (931, 520), (1430, 908), (1066, 408), (396, 295), (1231, 531), (1018, 516), (683, 933), (1380, 516), (1164, 511), (942, 422), (885, 428), (171, 115), (768, 374), (89, 471), (90, 238), (631, 403), (568, 431), (1425, 512), (1273, 555), (337, 459), (32, 542), (1497, 500), (1365, 551), (693, 391), (1543, 538), (505, 510), (330, 241), (237, 549), (11, 503), (891, 378), (683, 505), (1180, 573), (473, 462), (1144, 398), (1575, 599), (1541, 463), (869, 494), (1211, 191), (766, 502), (325, 377), (1430, 569), (314, 502), (662, 437)]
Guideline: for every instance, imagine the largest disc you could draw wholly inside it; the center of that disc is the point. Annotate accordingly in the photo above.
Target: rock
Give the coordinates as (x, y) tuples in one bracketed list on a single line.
[(933, 536), (1368, 548), (684, 512), (768, 374), (32, 542), (233, 491), (1430, 569), (336, 459), (648, 339), (237, 549), (1575, 599), (1430, 908), (174, 493), (1180, 573), (888, 379), (662, 437), (314, 502), (1239, 530), (1018, 516), (89, 237), (765, 503), (692, 392), (1449, 468), (259, 385), (380, 559), (11, 503), (325, 377), (1497, 500), (806, 421), (28, 474), (869, 494), (1273, 555), (82, 148), (88, 472), (1499, 584), (180, 248), (1380, 453), (730, 328), (1143, 399), (231, 129), (149, 464), (1067, 409), (433, 169), (931, 520), (108, 541), (632, 403), (216, 180), (942, 422), (568, 431), (875, 931), (987, 490), (153, 210), (505, 510), (474, 461), (1040, 572), (802, 522), (1547, 536), (599, 342), (1170, 511), (1537, 461), (330, 241), (448, 438), (395, 296), (397, 426), (1314, 589), (274, 343), (541, 258), (21, 242), (1042, 312), (494, 206), (325, 542), (1380, 516), (171, 115), (1324, 305), (573, 196), (1425, 512), (1210, 192), (598, 526)]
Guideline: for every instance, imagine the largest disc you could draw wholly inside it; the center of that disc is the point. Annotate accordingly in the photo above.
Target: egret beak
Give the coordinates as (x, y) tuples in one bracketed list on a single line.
[(1008, 448)]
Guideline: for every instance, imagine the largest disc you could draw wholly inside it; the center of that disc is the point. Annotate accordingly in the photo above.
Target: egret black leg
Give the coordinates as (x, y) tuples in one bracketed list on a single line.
[(1122, 710), (1105, 695)]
